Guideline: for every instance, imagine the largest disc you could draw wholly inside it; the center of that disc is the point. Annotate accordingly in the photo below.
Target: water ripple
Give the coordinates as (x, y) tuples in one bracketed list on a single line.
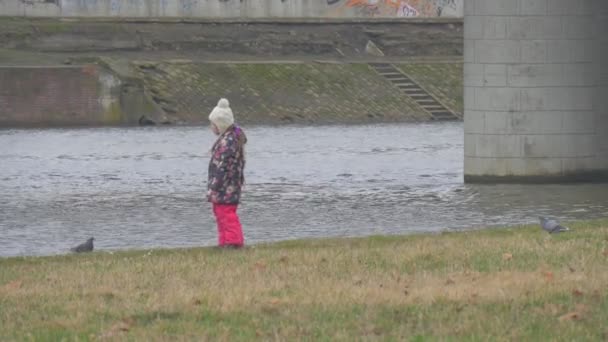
[(144, 188)]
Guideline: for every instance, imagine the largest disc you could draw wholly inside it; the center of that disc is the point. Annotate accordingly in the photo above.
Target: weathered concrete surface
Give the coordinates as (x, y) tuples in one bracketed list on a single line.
[(70, 96), (535, 90), (232, 41), (600, 99), (234, 8), (339, 92), (184, 92), (308, 93)]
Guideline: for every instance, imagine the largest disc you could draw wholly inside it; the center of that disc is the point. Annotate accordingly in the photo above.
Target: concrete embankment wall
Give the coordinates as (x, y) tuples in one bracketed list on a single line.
[(69, 96), (221, 41), (305, 93), (185, 92), (180, 57), (234, 8)]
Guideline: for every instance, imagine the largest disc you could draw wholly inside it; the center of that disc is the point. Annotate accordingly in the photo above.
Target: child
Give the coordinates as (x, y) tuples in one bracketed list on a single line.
[(226, 174)]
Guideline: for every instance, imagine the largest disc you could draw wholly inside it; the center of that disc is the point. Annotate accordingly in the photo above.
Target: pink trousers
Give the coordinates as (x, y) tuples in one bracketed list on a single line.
[(229, 227)]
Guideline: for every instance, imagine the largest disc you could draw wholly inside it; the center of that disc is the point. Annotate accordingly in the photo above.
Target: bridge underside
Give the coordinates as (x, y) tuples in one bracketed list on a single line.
[(536, 90)]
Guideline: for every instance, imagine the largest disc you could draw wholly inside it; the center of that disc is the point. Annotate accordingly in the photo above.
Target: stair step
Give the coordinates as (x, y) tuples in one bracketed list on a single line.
[(414, 91), (389, 68), (442, 114), (408, 85), (446, 118), (443, 117), (375, 65)]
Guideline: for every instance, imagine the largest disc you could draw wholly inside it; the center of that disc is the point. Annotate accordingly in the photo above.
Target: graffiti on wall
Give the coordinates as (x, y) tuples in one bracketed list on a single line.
[(240, 8), (397, 8)]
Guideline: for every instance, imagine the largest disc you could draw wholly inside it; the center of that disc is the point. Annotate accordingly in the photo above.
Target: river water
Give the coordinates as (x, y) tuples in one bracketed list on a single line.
[(144, 187)]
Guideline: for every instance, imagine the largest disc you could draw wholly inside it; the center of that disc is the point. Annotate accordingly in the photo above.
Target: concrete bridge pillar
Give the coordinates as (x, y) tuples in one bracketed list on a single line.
[(536, 90)]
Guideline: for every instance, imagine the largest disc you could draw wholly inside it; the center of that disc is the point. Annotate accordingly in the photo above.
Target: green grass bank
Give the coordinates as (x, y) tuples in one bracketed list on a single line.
[(304, 93), (515, 283)]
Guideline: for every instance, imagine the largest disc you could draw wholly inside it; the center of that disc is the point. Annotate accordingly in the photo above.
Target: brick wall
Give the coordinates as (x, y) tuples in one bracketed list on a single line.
[(49, 96), (89, 95)]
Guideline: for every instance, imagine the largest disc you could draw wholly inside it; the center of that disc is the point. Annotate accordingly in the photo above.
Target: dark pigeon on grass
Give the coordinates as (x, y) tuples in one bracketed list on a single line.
[(84, 247), (552, 226)]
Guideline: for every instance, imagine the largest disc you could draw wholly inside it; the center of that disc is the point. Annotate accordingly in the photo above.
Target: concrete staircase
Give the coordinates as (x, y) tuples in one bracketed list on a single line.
[(409, 87)]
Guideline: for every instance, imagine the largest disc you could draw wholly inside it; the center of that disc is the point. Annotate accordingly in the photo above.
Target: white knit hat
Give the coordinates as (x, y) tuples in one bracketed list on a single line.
[(222, 116)]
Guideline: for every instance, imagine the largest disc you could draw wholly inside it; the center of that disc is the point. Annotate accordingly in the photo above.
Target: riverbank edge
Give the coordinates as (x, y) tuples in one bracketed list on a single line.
[(169, 92), (498, 231)]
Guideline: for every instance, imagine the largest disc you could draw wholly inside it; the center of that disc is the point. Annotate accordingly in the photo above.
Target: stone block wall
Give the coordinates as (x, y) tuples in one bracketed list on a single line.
[(600, 71), (532, 95), (68, 96)]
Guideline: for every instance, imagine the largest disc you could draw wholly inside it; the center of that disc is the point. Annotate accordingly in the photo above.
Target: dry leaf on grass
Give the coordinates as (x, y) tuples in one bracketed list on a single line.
[(13, 285), (473, 298), (260, 266), (571, 316), (120, 327), (576, 315), (577, 293)]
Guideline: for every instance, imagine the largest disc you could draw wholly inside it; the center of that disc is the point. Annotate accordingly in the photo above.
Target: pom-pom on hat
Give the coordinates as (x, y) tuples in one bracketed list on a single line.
[(222, 115)]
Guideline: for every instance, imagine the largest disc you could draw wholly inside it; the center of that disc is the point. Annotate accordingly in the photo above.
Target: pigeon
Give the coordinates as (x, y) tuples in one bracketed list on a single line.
[(84, 247), (552, 226)]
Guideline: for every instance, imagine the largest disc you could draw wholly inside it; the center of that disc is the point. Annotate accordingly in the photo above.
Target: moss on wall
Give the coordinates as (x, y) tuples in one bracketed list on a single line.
[(294, 92)]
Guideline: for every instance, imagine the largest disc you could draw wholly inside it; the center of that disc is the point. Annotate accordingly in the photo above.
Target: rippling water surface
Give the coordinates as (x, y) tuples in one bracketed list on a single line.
[(143, 187)]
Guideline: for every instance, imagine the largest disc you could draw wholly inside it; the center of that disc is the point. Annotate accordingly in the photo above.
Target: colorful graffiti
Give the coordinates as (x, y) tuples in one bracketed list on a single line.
[(234, 8), (398, 8)]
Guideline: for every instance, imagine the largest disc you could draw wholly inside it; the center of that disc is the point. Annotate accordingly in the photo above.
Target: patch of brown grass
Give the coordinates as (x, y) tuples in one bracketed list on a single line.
[(290, 283)]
